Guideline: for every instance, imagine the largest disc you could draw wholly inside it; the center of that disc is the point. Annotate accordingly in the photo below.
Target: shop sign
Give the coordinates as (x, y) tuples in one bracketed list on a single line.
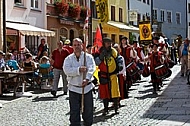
[(66, 22), (132, 15)]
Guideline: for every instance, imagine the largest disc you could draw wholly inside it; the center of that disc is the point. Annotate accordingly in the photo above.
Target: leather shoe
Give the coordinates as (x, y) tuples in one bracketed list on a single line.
[(53, 93)]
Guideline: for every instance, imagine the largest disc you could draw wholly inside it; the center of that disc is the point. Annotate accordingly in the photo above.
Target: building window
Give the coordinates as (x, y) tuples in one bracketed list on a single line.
[(189, 8), (113, 13), (113, 36), (138, 17), (94, 13), (162, 15), (178, 18), (144, 17), (19, 2), (120, 15), (155, 15), (32, 44), (144, 1), (148, 2), (189, 23), (169, 17), (35, 4)]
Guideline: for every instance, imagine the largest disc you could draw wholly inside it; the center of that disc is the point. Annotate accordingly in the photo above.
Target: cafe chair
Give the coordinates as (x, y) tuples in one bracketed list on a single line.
[(45, 77), (31, 78)]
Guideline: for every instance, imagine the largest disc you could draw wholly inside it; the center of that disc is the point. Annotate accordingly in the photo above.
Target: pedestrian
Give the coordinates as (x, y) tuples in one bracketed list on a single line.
[(41, 48), (109, 87), (80, 76), (184, 56), (57, 59), (89, 49), (3, 65), (67, 46), (174, 53)]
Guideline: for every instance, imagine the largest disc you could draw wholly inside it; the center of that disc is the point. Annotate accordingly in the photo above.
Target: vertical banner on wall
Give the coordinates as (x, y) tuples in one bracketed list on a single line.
[(145, 31), (102, 10)]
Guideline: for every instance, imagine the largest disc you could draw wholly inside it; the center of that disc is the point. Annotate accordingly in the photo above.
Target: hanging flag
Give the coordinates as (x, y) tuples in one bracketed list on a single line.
[(102, 10), (85, 29), (97, 39), (145, 31)]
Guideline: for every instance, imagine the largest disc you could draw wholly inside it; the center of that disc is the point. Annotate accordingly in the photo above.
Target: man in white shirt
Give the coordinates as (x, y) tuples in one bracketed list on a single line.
[(80, 76)]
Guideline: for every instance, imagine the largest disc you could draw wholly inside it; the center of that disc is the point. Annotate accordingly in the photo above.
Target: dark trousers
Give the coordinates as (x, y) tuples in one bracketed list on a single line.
[(75, 107), (106, 103), (155, 81)]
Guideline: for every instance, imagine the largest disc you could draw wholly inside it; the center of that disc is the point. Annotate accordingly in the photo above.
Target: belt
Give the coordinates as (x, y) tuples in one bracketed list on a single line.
[(81, 86)]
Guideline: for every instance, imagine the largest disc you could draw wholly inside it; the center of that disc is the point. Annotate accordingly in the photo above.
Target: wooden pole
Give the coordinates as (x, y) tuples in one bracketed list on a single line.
[(84, 48)]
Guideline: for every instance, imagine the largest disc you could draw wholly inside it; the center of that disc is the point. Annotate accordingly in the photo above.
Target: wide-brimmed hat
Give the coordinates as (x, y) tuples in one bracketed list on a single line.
[(107, 39)]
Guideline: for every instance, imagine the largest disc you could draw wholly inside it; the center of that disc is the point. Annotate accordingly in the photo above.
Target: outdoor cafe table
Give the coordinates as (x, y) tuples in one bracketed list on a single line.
[(21, 80)]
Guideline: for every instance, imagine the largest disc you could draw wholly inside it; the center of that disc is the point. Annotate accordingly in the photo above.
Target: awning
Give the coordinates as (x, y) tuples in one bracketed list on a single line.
[(124, 26), (26, 29)]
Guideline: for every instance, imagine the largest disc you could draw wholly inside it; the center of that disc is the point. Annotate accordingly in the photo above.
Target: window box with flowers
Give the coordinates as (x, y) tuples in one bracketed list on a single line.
[(74, 10), (62, 7)]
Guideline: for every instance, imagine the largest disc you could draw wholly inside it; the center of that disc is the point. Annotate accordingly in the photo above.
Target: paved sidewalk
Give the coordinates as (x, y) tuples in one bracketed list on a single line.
[(170, 108)]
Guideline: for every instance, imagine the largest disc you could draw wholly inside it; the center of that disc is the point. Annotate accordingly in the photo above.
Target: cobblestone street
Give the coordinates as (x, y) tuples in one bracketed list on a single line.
[(170, 107)]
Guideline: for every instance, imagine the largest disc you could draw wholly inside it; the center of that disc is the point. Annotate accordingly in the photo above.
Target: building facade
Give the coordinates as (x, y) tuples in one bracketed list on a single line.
[(117, 25), (66, 18), (170, 18), (26, 24)]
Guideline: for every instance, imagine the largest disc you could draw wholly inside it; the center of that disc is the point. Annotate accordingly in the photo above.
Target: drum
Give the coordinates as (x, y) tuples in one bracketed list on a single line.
[(161, 71), (132, 69), (140, 65)]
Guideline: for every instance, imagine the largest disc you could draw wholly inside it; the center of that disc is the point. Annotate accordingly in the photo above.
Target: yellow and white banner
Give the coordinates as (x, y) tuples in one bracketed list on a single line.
[(145, 31), (102, 10)]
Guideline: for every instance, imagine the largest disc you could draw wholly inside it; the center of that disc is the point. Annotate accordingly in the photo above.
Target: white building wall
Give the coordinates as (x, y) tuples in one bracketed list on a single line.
[(25, 14)]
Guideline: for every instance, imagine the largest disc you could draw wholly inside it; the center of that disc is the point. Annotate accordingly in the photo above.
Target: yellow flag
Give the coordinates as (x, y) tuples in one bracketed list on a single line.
[(102, 10), (145, 31)]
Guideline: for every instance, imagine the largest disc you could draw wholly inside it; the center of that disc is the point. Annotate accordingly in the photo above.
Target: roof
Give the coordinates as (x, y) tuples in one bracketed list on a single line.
[(26, 29)]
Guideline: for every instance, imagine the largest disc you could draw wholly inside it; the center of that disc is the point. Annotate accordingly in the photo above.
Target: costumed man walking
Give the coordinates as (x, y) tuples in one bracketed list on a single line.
[(107, 63), (75, 70)]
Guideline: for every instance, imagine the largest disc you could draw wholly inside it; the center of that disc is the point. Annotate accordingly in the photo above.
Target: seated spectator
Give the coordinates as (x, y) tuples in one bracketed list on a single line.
[(29, 62), (13, 64), (44, 63), (3, 65)]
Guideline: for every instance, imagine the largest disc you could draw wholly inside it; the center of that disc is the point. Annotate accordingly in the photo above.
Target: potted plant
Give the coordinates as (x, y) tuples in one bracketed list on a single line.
[(74, 10)]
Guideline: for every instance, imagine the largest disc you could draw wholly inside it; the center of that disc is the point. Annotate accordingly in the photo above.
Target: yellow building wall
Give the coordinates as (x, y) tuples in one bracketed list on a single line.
[(118, 4), (108, 29)]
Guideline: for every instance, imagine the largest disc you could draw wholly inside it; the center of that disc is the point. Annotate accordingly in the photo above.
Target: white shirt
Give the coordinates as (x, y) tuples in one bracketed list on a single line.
[(74, 77), (124, 67)]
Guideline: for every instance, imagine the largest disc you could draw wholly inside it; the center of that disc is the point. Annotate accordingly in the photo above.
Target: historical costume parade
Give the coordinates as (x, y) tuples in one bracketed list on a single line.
[(109, 66)]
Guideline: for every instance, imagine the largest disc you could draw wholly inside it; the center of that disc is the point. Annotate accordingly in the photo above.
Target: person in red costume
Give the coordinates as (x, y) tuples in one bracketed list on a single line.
[(156, 59), (129, 55), (109, 66)]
